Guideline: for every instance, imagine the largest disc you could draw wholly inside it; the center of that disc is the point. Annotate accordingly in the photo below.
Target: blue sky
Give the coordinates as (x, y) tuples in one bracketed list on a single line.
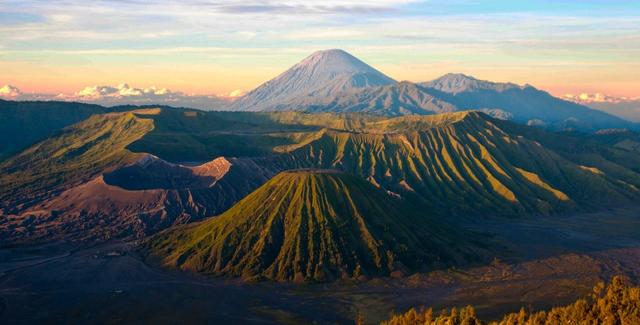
[(219, 46)]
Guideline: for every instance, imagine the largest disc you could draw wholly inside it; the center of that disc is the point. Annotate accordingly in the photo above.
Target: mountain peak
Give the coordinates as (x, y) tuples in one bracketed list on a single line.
[(457, 76), (458, 82), (330, 52), (321, 74), (335, 60)]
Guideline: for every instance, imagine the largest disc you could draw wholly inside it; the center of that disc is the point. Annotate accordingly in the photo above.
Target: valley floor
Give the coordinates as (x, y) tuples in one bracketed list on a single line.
[(550, 261)]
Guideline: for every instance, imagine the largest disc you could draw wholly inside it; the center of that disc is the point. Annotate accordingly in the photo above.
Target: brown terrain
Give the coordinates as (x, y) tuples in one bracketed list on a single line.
[(137, 200)]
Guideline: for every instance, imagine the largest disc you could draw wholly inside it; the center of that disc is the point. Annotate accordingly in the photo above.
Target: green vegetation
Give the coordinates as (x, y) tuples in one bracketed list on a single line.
[(77, 154), (313, 225), (617, 303)]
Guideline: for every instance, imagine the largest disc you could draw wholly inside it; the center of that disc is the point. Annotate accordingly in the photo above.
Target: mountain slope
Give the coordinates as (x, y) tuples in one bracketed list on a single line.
[(311, 225), (322, 74), (403, 98), (454, 83)]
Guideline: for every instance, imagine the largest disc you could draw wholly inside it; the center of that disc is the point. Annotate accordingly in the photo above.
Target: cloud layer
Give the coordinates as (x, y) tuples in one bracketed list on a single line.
[(124, 94), (9, 91), (587, 98), (625, 107)]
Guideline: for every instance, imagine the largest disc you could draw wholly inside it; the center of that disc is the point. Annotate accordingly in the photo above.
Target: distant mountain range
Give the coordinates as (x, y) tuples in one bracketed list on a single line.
[(336, 81)]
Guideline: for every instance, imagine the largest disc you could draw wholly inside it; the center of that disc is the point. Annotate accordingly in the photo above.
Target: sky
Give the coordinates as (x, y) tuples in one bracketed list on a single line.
[(207, 47)]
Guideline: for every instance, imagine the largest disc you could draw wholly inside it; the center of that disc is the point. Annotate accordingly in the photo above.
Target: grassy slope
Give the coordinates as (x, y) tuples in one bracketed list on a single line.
[(305, 225), (77, 154)]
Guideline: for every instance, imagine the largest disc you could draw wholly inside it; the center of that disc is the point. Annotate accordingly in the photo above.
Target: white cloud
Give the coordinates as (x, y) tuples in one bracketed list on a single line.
[(233, 94), (9, 91), (61, 18), (124, 94), (122, 90), (587, 98), (96, 91), (624, 107)]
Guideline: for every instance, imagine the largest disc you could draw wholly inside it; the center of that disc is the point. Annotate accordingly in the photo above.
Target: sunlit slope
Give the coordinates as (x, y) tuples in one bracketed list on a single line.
[(78, 154), (312, 225), (465, 164)]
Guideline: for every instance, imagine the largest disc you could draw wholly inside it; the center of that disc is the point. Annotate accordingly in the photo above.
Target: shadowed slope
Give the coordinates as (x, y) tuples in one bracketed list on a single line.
[(312, 225), (24, 123)]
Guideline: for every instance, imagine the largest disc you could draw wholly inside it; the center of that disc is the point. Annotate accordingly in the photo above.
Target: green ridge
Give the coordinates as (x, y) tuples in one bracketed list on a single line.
[(312, 225)]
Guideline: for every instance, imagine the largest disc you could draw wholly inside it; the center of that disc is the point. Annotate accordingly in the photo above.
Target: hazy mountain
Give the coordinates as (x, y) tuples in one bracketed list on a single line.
[(403, 98), (322, 74), (526, 104), (629, 109), (313, 225), (455, 83), (124, 94)]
